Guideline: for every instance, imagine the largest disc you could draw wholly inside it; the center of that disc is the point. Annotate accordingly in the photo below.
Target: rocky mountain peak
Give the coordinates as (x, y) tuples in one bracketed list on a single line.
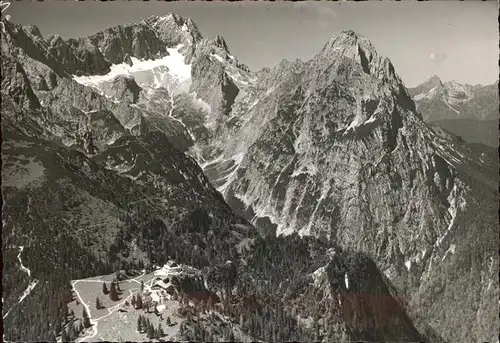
[(347, 46), (54, 40), (175, 29), (220, 42), (33, 30), (432, 85), (434, 79), (348, 40), (349, 37)]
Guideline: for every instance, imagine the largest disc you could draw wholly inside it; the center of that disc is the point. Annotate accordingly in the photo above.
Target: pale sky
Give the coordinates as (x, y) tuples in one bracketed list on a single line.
[(454, 40)]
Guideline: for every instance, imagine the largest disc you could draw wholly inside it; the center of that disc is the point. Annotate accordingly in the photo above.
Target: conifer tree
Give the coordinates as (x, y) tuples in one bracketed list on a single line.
[(160, 331), (53, 337), (169, 321), (139, 323), (142, 286), (64, 336), (113, 294), (150, 333), (138, 302), (133, 302), (57, 327), (71, 332), (86, 319), (104, 288), (98, 303)]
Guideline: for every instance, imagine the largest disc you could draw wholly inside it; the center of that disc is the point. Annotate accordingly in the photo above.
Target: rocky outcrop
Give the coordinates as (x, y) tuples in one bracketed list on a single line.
[(175, 30), (92, 61), (137, 40), (15, 83), (213, 85), (125, 88)]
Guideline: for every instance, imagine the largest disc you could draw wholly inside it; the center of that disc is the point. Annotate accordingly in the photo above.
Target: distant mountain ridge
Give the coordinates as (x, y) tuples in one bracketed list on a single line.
[(438, 100)]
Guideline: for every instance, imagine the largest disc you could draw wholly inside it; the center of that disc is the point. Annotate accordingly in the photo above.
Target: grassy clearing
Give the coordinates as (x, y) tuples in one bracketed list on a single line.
[(123, 325), (116, 320)]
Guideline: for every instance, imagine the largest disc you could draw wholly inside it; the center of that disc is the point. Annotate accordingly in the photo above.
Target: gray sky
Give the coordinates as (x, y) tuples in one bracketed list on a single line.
[(454, 40)]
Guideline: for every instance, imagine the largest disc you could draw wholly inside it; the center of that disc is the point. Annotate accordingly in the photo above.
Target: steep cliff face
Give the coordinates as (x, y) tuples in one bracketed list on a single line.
[(343, 136), (334, 147)]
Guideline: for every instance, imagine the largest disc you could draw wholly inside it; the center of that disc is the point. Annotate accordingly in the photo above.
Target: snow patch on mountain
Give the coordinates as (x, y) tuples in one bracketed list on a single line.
[(457, 202), (358, 120), (426, 95), (244, 198), (113, 139), (199, 103), (218, 58), (448, 104), (319, 277), (241, 79), (415, 259), (122, 168), (173, 66)]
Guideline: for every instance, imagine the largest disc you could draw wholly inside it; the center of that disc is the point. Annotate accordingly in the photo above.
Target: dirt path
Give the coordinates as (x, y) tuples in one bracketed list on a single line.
[(87, 308), (111, 310), (31, 285)]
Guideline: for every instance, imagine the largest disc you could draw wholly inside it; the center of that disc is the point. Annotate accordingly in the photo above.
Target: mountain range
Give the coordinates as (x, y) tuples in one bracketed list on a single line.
[(438, 100), (465, 110), (149, 138)]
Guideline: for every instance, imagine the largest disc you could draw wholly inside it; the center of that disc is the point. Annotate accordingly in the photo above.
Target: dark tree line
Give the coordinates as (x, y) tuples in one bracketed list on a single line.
[(145, 326)]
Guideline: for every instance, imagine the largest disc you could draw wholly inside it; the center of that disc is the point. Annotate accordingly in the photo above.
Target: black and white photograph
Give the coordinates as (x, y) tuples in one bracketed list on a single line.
[(253, 171)]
